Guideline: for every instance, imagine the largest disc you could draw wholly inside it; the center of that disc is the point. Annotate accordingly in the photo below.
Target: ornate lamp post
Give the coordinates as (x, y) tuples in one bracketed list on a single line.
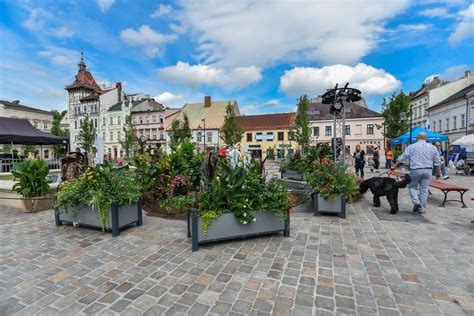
[(336, 98)]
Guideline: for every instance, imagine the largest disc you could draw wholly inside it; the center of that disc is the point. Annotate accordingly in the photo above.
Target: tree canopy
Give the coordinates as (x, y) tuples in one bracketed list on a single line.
[(87, 135), (393, 126), (129, 141), (231, 132), (302, 131)]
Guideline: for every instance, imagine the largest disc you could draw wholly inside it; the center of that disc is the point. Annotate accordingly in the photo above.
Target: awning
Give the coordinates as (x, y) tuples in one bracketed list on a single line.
[(431, 137), (19, 131)]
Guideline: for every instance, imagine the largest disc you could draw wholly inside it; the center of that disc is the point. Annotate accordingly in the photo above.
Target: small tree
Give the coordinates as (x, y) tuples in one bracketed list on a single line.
[(87, 135), (393, 126), (175, 133), (129, 141), (302, 131), (185, 129), (58, 131), (231, 131)]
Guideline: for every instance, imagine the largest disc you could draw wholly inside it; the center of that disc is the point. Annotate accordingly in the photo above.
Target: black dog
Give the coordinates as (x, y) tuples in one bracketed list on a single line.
[(383, 186)]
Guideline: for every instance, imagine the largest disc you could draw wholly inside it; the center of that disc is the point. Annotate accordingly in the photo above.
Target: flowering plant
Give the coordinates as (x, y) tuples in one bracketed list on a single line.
[(240, 190)]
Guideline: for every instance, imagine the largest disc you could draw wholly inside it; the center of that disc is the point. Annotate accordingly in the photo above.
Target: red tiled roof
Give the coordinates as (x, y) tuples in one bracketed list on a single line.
[(265, 121), (84, 79)]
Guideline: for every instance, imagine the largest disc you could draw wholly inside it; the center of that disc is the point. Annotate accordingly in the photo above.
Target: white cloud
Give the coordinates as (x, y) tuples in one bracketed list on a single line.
[(454, 72), (163, 10), (368, 79), (151, 40), (36, 19), (465, 28), (262, 33), (60, 56), (168, 98), (437, 12), (411, 28), (210, 75), (105, 5), (272, 102), (61, 32)]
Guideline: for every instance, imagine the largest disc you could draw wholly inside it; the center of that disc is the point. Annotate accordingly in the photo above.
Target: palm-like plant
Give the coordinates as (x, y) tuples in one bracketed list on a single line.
[(30, 178)]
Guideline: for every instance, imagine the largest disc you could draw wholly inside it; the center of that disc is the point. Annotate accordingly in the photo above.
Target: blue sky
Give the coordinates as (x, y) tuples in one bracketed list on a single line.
[(262, 53)]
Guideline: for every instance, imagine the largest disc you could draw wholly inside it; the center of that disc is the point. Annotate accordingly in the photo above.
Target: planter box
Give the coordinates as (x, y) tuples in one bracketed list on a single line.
[(36, 204), (226, 227), (334, 206), (119, 217), (293, 175)]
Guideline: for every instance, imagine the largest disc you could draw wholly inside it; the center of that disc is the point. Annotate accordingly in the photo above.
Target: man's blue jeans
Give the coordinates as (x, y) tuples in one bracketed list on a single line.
[(419, 178), (443, 169)]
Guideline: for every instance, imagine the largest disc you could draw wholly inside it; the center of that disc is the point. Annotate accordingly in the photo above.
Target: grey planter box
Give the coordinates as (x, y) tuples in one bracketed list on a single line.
[(226, 227), (334, 206), (293, 175), (119, 217)]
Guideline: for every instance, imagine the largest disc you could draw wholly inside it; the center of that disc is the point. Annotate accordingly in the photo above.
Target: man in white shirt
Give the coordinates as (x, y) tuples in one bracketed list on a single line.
[(421, 156)]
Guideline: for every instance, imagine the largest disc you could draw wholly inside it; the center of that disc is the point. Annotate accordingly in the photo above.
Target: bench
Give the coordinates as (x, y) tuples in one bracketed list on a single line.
[(443, 187)]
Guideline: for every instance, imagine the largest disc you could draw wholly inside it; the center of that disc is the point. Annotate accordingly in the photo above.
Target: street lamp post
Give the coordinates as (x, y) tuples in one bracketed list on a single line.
[(199, 134), (204, 125), (411, 122)]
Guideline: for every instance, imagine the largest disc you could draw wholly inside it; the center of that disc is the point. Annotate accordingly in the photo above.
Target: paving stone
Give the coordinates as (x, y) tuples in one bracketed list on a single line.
[(120, 305), (324, 303), (198, 309), (221, 308), (241, 306), (94, 308)]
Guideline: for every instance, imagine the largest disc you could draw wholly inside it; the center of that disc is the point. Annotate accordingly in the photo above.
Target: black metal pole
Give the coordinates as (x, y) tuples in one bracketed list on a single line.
[(411, 122), (467, 113)]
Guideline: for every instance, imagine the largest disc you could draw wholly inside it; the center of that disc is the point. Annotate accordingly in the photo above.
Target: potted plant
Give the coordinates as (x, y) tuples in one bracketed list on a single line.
[(106, 197), (235, 201), (333, 185), (291, 168), (30, 176)]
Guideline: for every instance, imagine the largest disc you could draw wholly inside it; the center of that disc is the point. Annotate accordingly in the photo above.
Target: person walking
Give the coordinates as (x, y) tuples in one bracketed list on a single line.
[(359, 156), (443, 165), (376, 157), (421, 156), (388, 158)]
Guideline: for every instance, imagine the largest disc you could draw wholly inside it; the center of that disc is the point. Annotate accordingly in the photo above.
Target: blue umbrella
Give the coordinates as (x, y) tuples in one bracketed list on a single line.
[(405, 138)]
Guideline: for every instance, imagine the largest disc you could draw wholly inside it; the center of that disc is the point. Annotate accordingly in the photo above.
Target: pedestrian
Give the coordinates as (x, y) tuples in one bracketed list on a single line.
[(388, 158), (376, 157), (443, 165), (421, 156), (359, 156)]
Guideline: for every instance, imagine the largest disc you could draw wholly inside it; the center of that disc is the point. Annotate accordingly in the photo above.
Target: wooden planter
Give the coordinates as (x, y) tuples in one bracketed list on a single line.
[(292, 175), (36, 204), (334, 206), (119, 217), (226, 227)]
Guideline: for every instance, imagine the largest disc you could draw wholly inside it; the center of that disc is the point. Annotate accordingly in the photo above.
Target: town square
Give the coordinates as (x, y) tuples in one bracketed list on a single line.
[(236, 158)]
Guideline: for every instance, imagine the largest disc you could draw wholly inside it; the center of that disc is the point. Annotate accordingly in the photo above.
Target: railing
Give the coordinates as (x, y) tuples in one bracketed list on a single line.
[(8, 164)]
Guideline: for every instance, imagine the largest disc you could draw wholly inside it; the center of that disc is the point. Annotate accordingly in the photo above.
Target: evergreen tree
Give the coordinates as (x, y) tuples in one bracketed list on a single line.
[(302, 131), (56, 130), (175, 133), (393, 126), (185, 129), (129, 141), (87, 135), (231, 132)]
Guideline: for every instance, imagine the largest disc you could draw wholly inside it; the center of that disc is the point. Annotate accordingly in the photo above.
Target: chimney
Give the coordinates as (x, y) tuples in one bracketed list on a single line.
[(118, 85), (207, 101), (467, 73)]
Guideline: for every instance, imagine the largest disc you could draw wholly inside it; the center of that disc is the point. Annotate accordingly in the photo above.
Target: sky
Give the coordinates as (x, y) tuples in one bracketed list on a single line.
[(262, 53)]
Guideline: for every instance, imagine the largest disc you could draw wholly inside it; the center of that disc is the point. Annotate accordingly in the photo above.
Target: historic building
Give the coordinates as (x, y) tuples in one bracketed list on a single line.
[(40, 119), (206, 120), (361, 125), (267, 135), (454, 116)]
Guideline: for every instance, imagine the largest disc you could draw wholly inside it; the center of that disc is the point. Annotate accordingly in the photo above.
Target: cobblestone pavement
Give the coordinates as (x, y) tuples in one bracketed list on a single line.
[(360, 265)]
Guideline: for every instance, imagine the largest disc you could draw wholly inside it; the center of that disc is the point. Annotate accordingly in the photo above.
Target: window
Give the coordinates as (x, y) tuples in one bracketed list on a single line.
[(111, 121), (209, 137), (269, 136), (161, 118), (111, 135), (316, 131), (119, 120), (440, 126), (281, 136), (463, 120), (36, 124), (103, 136), (455, 122), (80, 123), (46, 154), (103, 121), (140, 119), (328, 131), (45, 125), (348, 129), (153, 133), (119, 135), (147, 119), (447, 123), (257, 138), (370, 129), (358, 130), (434, 126), (75, 124), (199, 137), (153, 119), (95, 123), (75, 110), (249, 137), (290, 136)]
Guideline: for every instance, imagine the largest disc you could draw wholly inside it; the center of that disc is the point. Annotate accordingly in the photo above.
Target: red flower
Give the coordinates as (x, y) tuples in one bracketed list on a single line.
[(223, 152)]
